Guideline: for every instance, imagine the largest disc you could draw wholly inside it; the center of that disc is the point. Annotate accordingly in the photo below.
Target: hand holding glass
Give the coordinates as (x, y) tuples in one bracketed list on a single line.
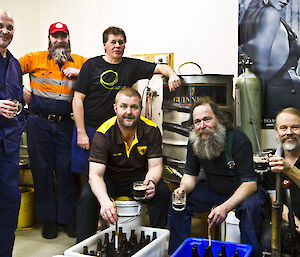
[(178, 201), (18, 104)]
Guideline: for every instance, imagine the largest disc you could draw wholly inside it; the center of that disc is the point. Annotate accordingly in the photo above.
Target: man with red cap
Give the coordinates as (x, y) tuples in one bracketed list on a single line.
[(49, 129)]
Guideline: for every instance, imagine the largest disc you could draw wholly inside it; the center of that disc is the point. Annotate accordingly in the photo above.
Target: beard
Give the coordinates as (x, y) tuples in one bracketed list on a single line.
[(60, 52), (290, 146), (128, 125), (211, 146)]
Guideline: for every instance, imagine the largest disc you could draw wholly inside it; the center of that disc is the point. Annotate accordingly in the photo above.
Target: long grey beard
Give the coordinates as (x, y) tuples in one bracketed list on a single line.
[(60, 53), (211, 147)]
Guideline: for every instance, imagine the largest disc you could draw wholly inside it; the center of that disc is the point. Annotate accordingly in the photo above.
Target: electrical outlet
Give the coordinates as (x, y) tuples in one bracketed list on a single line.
[(161, 59)]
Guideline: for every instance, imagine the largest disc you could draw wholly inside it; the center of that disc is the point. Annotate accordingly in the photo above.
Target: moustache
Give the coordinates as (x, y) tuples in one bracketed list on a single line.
[(288, 137)]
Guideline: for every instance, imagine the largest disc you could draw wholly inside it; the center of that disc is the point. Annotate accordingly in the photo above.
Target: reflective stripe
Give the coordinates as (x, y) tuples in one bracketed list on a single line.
[(51, 95), (49, 81)]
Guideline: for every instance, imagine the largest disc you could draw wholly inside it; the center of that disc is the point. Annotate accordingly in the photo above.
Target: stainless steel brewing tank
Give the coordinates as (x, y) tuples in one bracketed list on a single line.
[(176, 106)]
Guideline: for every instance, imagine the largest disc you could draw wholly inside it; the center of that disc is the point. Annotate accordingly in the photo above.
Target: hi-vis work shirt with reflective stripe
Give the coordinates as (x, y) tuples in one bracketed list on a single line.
[(51, 90)]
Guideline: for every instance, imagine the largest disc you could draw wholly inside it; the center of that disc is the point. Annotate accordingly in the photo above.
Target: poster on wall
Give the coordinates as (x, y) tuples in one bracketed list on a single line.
[(268, 35)]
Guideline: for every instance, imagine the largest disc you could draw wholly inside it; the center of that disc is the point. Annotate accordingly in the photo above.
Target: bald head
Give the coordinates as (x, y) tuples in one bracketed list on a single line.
[(7, 30)]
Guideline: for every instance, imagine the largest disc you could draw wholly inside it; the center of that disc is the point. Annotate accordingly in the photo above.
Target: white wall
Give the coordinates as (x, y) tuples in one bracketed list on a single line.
[(201, 31)]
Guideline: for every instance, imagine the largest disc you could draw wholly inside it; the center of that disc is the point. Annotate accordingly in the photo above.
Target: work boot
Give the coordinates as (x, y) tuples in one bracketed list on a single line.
[(49, 229), (70, 229)]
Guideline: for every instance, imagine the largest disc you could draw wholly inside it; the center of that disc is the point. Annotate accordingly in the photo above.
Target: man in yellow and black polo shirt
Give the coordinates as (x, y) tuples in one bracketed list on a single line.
[(125, 148), (49, 129)]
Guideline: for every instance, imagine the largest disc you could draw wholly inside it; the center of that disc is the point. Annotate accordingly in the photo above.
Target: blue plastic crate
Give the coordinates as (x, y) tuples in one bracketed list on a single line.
[(185, 249)]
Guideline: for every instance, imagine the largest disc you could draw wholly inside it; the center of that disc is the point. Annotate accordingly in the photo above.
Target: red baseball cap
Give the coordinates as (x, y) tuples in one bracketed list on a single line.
[(58, 26)]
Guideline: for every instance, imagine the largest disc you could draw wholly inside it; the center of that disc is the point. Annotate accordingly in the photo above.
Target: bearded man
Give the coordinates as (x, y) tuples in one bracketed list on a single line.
[(286, 161), (225, 155), (49, 129)]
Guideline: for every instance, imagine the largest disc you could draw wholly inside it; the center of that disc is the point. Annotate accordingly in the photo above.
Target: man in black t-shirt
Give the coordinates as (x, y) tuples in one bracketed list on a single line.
[(100, 79), (287, 161), (225, 155)]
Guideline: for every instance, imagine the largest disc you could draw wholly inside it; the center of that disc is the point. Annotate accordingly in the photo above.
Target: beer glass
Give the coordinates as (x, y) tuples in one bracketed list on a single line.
[(139, 190), (261, 162), (178, 201), (20, 105)]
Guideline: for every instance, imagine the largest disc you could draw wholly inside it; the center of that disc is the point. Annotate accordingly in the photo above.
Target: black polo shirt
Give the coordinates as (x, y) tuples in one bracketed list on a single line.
[(219, 177), (121, 161)]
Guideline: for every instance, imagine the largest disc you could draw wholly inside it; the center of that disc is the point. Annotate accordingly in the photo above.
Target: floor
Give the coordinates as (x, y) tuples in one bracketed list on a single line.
[(30, 243)]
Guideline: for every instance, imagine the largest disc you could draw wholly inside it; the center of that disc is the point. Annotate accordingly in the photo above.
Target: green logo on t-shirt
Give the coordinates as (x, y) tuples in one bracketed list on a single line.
[(110, 79)]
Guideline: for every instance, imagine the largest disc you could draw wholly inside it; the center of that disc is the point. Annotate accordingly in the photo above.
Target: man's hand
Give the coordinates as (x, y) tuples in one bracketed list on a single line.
[(179, 191), (108, 212), (217, 215), (278, 164), (83, 141), (71, 73), (8, 109), (150, 189), (174, 82)]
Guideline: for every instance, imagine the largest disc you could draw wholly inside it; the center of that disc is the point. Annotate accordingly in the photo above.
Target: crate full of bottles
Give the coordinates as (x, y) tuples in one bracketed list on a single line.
[(128, 241), (198, 247)]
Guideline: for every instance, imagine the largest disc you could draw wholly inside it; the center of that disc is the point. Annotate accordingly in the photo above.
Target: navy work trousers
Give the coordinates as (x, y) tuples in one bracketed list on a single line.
[(88, 207), (10, 198), (250, 213), (49, 148)]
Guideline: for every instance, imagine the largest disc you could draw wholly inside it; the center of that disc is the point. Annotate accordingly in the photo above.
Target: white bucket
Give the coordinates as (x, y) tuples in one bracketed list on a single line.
[(129, 213), (230, 231)]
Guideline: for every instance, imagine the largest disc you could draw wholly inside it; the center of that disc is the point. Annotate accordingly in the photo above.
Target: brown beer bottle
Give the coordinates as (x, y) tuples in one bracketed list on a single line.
[(223, 251), (99, 247), (154, 236), (142, 240), (195, 252), (236, 253), (85, 250), (208, 251)]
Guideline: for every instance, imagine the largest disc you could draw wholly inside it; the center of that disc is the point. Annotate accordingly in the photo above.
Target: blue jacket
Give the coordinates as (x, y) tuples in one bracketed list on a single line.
[(11, 87)]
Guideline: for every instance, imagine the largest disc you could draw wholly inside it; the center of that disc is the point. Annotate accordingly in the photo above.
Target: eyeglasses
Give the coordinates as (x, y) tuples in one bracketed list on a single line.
[(9, 27)]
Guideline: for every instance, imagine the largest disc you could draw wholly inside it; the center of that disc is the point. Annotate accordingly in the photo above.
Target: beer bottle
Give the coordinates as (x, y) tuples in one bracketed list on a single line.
[(223, 251), (208, 251), (154, 236), (195, 252), (99, 247), (85, 250), (147, 240), (132, 233), (142, 239), (236, 253)]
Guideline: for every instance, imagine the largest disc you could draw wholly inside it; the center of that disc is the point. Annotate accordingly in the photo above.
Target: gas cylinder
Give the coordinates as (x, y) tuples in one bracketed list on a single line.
[(248, 104)]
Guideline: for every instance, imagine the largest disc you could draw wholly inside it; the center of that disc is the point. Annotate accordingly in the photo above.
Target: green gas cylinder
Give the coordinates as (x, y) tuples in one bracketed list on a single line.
[(248, 104)]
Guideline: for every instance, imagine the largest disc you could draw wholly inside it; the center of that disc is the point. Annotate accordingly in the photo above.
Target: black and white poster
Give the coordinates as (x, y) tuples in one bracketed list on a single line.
[(268, 34)]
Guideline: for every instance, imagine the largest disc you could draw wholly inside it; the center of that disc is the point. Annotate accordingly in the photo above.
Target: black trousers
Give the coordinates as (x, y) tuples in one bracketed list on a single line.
[(88, 207)]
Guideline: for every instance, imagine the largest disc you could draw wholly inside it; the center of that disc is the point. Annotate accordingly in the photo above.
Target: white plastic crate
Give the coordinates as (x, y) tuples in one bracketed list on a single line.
[(155, 248)]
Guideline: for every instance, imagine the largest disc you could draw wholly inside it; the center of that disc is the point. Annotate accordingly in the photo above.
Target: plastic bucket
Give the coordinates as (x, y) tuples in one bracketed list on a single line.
[(230, 230), (129, 211), (25, 220)]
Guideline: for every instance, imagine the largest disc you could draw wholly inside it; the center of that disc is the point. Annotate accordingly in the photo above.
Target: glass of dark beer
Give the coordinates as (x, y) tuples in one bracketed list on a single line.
[(178, 201), (139, 190), (261, 162)]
